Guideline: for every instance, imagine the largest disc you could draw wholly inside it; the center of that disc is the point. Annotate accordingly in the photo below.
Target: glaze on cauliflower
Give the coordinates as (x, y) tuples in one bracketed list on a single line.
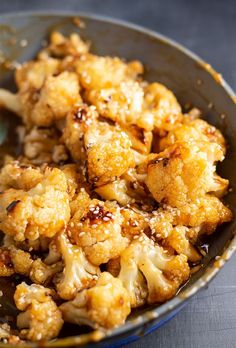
[(19, 176), (46, 94), (40, 319), (98, 231), (78, 122), (78, 272), (184, 172), (43, 210), (163, 272), (105, 305), (108, 153)]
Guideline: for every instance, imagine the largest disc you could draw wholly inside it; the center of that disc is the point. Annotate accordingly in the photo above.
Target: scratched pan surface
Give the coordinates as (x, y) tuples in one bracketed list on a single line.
[(182, 72)]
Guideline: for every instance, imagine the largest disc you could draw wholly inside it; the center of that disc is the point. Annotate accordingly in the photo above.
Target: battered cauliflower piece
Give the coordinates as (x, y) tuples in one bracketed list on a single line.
[(185, 171), (161, 102), (42, 211), (103, 72), (78, 122), (42, 145), (97, 230), (78, 272), (51, 101), (19, 176), (106, 305), (163, 271), (40, 319), (109, 153), (193, 130)]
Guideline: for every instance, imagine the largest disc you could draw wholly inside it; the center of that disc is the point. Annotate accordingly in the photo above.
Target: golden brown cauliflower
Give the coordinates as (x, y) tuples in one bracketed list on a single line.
[(193, 130), (61, 46), (78, 122), (38, 271), (122, 104), (43, 210), (163, 105), (97, 230), (103, 72), (40, 319), (164, 231), (19, 176), (206, 213), (185, 171), (78, 272), (163, 271), (46, 94), (108, 153), (105, 305)]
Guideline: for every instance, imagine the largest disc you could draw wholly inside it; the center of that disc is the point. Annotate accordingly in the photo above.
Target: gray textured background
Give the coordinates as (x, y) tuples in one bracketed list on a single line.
[(209, 29)]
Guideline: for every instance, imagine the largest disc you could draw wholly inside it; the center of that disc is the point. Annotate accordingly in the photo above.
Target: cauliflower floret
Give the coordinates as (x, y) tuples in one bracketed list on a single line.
[(19, 176), (97, 230), (206, 213), (78, 272), (162, 228), (122, 104), (162, 103), (36, 270), (105, 305), (103, 72), (163, 272), (43, 210), (52, 101), (108, 153), (184, 172), (61, 46), (193, 130), (41, 319), (42, 145), (78, 122), (76, 180), (32, 74)]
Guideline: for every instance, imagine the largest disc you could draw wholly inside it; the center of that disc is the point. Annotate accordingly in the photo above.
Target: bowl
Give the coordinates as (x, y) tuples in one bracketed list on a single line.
[(194, 82)]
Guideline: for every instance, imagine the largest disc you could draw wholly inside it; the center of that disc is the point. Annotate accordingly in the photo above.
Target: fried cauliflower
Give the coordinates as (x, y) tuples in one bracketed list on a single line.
[(145, 261), (46, 94), (105, 305), (40, 319), (109, 194), (43, 210), (98, 231), (109, 153), (78, 272)]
